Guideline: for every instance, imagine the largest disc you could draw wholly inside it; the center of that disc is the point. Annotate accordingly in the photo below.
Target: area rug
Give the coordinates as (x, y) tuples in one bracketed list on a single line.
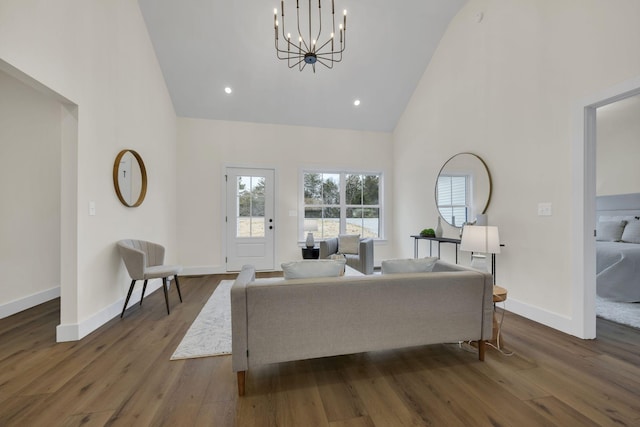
[(627, 313), (210, 333)]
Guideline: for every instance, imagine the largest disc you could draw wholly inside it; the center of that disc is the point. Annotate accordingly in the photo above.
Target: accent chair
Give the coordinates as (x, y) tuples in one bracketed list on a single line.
[(144, 260)]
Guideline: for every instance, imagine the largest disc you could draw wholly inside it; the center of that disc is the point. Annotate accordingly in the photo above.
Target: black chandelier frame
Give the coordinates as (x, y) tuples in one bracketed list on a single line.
[(307, 52)]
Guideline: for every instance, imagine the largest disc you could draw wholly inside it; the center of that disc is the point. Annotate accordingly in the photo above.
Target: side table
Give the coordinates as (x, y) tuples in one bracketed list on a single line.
[(499, 295), (310, 253)]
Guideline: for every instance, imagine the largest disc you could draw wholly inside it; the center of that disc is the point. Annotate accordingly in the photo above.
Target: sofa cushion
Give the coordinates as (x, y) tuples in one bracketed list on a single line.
[(312, 268), (349, 243), (408, 265)]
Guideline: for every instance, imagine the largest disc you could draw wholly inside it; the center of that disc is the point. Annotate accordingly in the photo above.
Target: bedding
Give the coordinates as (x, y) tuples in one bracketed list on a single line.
[(618, 247), (618, 271)]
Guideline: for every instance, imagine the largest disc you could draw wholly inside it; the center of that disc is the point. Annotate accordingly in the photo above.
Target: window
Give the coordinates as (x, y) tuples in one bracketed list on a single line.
[(453, 199), (250, 206), (342, 203)]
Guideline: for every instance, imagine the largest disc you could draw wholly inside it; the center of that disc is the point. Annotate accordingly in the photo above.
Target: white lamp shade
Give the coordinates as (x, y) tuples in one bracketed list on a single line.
[(479, 238), (310, 225)]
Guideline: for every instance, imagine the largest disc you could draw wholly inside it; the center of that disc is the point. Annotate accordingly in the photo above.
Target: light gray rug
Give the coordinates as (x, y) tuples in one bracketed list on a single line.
[(627, 313), (210, 333)]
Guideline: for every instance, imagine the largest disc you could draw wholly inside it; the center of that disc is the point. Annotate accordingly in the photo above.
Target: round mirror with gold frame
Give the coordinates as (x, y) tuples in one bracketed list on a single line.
[(130, 178), (463, 189)]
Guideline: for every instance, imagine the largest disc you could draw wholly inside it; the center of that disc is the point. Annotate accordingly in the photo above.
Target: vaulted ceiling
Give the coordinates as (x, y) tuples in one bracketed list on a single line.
[(204, 46)]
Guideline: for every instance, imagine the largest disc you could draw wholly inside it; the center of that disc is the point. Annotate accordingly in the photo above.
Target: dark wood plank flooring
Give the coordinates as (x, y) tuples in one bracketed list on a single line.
[(121, 375)]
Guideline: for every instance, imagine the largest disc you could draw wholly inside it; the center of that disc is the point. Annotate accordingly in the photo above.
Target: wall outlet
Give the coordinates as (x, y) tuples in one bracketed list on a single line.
[(544, 209)]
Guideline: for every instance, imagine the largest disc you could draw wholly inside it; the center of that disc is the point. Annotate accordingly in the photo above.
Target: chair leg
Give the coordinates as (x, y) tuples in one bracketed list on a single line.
[(133, 282), (144, 289), (178, 287), (166, 293)]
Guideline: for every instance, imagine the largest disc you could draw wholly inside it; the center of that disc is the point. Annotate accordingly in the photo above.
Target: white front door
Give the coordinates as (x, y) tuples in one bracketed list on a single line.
[(250, 218)]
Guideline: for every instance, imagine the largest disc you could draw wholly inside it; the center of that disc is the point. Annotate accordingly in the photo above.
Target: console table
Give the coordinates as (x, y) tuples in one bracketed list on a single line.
[(440, 240)]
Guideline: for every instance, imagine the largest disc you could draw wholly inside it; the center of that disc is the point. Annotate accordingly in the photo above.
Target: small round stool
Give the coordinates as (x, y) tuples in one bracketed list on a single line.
[(499, 295)]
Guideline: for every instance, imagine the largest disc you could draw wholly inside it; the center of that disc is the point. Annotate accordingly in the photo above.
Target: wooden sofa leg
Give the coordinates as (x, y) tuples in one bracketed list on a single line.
[(241, 382), (481, 348)]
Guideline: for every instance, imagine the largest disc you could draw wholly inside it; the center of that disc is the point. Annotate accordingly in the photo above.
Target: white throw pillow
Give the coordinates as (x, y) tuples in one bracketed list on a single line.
[(631, 232), (313, 268), (609, 231), (409, 265), (349, 243)]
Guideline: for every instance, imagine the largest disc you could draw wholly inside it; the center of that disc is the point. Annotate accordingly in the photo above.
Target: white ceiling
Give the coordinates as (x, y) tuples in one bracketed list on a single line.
[(205, 45)]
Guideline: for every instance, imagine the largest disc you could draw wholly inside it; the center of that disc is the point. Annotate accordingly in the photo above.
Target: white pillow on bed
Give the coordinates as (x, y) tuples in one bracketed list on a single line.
[(610, 231), (631, 232)]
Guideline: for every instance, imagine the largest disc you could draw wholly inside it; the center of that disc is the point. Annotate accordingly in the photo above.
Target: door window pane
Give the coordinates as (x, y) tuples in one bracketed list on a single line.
[(250, 221)]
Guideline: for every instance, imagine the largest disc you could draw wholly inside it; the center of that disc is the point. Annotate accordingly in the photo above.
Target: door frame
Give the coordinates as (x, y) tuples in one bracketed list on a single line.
[(584, 204), (223, 195)]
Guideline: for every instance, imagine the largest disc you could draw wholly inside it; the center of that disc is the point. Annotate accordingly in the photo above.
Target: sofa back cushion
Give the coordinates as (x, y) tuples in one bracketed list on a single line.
[(409, 265), (313, 268)]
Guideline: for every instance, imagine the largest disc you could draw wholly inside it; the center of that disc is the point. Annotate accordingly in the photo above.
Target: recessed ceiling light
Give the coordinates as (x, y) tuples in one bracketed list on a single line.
[(356, 102), (227, 90)]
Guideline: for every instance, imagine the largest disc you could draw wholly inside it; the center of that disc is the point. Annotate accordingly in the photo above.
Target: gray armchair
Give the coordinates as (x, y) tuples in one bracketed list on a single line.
[(144, 261), (362, 261)]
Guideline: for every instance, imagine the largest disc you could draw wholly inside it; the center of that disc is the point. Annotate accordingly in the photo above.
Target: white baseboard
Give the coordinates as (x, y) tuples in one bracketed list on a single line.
[(76, 331), (537, 314), (16, 306)]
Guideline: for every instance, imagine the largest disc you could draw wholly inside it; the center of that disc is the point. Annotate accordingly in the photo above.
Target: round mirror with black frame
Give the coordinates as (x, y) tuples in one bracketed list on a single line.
[(463, 189), (130, 178)]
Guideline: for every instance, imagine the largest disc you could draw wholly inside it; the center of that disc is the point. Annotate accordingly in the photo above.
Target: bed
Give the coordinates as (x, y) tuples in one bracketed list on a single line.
[(618, 247)]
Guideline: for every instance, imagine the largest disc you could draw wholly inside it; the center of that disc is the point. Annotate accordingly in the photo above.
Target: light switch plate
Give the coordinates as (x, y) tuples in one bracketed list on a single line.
[(92, 208), (544, 209)]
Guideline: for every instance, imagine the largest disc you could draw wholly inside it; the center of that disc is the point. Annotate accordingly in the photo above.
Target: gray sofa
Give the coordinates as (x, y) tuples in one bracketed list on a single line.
[(283, 320), (362, 261)]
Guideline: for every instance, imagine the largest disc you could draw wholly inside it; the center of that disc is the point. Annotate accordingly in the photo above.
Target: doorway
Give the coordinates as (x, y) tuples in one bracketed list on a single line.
[(41, 136), (250, 221), (584, 202)]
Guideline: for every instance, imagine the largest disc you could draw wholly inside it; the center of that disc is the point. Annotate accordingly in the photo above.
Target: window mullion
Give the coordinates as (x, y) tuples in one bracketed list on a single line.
[(343, 201)]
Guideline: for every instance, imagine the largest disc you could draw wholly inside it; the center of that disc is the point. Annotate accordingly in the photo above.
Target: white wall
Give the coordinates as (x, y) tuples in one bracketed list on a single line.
[(98, 55), (207, 147), (505, 89), (618, 147), (30, 190)]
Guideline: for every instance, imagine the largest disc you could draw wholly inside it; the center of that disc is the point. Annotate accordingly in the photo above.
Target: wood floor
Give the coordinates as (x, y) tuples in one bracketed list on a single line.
[(121, 375)]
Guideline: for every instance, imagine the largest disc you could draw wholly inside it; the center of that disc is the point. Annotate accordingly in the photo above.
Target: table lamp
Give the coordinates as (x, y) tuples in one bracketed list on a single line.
[(481, 240)]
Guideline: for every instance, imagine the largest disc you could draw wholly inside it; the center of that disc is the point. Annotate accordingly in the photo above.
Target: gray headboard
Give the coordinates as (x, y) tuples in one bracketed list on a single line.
[(618, 204)]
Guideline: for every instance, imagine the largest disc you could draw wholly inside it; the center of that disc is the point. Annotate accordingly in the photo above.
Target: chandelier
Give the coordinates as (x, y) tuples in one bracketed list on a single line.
[(309, 50)]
